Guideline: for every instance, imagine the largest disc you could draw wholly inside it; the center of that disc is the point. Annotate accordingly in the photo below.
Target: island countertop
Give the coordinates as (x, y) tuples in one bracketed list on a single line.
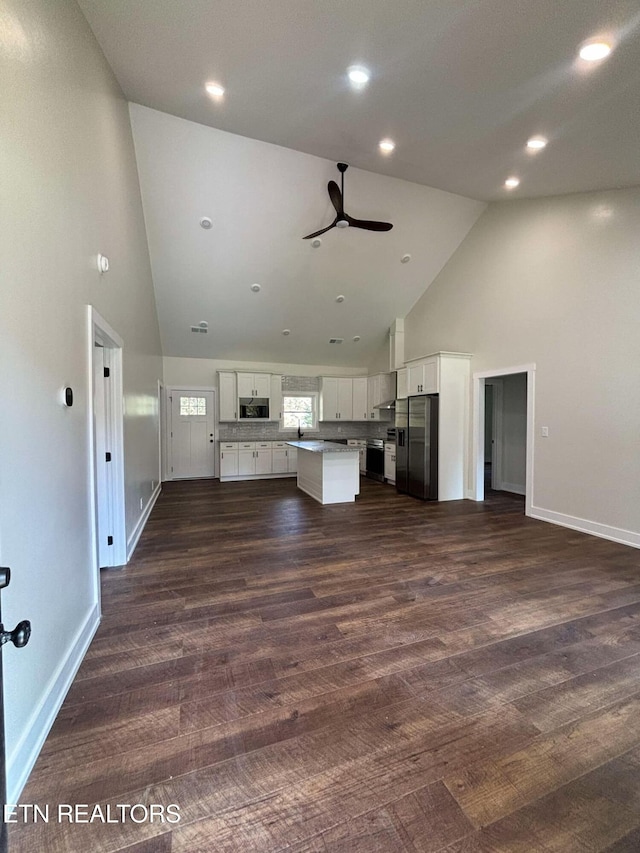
[(323, 447)]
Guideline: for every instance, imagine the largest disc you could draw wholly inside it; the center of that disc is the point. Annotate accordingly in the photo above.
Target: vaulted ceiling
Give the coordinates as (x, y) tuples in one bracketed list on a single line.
[(460, 86)]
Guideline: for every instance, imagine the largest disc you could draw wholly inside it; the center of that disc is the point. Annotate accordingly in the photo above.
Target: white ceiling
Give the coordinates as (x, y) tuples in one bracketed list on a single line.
[(460, 85), (262, 199)]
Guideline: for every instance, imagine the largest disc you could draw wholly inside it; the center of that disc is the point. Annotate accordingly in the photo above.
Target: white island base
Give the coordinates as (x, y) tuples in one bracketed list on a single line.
[(328, 472)]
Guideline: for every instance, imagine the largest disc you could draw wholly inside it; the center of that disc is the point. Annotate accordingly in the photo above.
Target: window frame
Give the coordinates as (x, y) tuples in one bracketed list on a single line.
[(315, 397)]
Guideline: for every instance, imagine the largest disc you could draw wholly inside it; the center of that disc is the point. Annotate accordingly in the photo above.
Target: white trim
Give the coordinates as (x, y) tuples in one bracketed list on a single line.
[(144, 516), (21, 762), (98, 328), (478, 383), (604, 531)]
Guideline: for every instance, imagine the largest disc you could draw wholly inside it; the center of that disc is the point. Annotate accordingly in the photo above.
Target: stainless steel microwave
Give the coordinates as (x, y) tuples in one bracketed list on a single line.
[(254, 409)]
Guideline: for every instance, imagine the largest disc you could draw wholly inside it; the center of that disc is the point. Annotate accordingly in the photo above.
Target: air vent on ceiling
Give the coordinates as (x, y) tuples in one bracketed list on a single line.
[(199, 329), (336, 340)]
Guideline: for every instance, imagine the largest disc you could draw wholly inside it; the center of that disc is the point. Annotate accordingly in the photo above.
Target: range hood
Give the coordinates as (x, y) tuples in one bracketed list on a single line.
[(388, 404)]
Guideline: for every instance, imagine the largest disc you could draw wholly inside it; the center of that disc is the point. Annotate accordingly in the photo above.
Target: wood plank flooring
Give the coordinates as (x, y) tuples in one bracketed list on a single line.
[(371, 678)]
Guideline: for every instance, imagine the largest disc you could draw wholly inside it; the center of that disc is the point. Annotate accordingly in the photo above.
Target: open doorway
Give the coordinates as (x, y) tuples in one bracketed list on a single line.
[(107, 443), (503, 433)]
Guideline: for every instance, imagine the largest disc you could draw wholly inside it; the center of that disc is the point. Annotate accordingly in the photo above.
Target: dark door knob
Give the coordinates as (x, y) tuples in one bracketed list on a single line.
[(19, 636)]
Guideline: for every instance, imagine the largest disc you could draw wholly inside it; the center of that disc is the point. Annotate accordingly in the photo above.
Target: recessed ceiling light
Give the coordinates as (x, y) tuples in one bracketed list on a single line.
[(405, 259), (203, 324), (356, 338), (358, 76), (215, 90), (286, 331), (386, 146), (593, 51), (537, 143), (256, 288), (340, 298), (206, 223), (316, 243), (512, 183)]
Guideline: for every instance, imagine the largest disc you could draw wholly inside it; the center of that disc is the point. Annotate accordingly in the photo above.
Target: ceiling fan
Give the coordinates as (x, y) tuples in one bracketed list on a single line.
[(343, 220)]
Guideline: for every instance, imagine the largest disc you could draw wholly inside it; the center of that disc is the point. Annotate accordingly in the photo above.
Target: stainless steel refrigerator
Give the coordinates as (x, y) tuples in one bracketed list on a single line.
[(417, 446)]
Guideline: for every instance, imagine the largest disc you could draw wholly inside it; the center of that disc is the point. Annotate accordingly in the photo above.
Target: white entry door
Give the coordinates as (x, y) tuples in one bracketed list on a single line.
[(192, 434)]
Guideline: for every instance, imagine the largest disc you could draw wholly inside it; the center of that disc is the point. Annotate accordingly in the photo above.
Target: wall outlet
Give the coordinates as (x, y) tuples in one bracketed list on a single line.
[(141, 503), (545, 432), (339, 429)]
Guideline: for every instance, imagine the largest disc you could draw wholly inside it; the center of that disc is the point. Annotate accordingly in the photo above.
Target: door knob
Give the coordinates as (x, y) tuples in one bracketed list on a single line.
[(19, 636)]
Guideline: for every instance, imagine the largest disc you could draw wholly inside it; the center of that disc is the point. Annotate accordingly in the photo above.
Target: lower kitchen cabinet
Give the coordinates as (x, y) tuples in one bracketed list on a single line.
[(247, 460), (390, 462)]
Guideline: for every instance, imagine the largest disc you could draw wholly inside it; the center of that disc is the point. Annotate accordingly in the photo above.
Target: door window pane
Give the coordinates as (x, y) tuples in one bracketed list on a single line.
[(193, 406)]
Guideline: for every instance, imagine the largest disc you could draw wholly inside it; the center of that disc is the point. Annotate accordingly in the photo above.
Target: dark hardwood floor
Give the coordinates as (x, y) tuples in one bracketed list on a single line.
[(385, 676)]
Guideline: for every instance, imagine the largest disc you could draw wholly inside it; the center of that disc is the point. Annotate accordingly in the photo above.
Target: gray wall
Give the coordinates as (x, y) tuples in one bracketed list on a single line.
[(70, 191), (556, 282)]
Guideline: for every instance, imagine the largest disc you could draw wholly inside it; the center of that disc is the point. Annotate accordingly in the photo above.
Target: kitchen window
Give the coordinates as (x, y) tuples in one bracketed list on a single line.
[(300, 410)]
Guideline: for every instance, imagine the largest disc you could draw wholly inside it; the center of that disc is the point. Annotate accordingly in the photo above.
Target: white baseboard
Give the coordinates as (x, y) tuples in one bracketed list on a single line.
[(20, 762), (144, 516), (604, 531), (513, 487)]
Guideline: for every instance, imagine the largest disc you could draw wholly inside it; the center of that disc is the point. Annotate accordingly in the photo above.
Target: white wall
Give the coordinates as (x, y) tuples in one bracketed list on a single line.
[(69, 191), (555, 282), (203, 371)]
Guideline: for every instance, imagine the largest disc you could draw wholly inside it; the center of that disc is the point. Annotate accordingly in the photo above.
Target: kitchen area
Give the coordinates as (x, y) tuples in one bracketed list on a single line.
[(408, 426)]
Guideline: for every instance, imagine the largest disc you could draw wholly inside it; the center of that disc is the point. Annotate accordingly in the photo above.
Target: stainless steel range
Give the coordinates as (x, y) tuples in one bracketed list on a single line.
[(375, 459)]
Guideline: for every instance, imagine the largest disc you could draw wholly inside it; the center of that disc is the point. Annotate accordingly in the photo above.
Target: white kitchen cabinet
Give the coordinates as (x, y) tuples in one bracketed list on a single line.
[(359, 398), (228, 459), (279, 458), (390, 461), (336, 398), (228, 396), (254, 385), (423, 376), (275, 403), (246, 458), (379, 391), (345, 399), (402, 384), (361, 444)]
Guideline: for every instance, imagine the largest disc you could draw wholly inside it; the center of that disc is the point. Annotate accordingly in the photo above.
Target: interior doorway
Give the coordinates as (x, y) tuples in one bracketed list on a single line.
[(191, 433), (503, 419), (106, 437)]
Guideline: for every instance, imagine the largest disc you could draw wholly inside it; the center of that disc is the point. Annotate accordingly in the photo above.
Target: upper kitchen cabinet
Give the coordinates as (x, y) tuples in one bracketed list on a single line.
[(336, 399), (379, 390), (275, 406), (228, 396), (423, 376), (402, 384), (254, 385), (359, 398), (249, 396)]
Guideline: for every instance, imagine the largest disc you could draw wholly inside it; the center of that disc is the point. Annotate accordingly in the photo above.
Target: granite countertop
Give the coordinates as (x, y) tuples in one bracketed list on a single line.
[(323, 447)]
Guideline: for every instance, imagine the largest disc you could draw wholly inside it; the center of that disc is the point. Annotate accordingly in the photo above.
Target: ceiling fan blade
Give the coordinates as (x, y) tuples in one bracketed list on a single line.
[(368, 224), (336, 197), (322, 230)]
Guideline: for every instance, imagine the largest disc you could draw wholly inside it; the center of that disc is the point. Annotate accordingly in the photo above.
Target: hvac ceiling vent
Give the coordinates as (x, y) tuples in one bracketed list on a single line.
[(199, 329), (336, 340)]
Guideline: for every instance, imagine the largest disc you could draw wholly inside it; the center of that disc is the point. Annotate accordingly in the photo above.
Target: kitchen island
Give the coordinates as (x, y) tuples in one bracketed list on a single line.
[(328, 472)]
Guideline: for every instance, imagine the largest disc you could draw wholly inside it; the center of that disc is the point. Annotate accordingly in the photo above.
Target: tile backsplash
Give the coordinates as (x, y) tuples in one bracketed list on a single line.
[(270, 430)]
